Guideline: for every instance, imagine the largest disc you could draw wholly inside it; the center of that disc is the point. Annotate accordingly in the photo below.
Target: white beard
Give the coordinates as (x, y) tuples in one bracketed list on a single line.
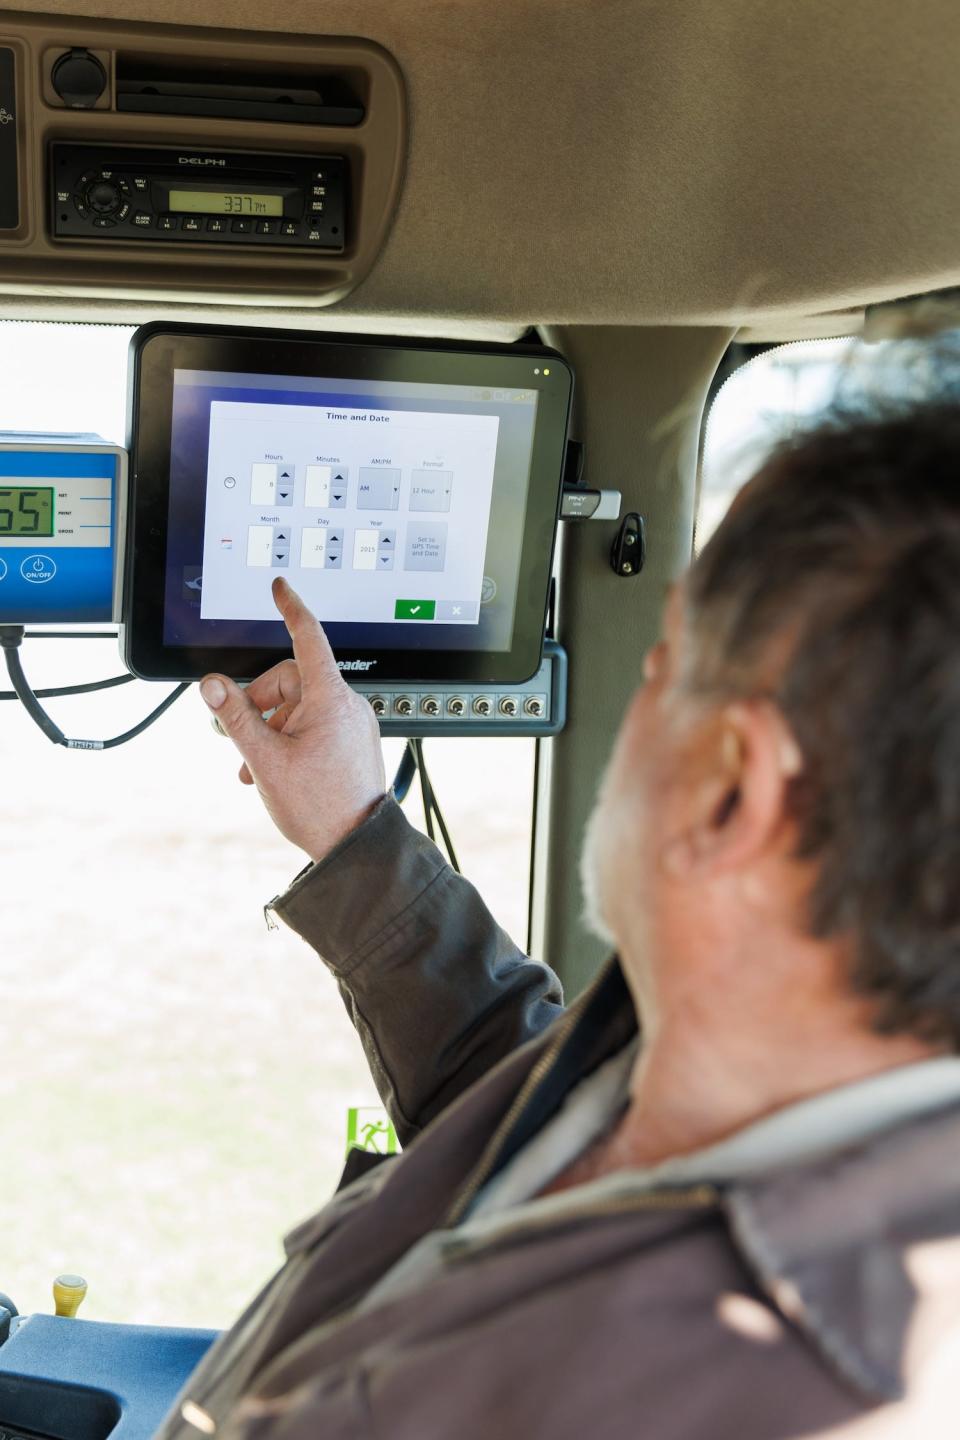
[(594, 868)]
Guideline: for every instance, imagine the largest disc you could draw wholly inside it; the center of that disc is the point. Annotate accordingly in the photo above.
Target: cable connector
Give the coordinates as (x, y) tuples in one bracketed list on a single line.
[(10, 640)]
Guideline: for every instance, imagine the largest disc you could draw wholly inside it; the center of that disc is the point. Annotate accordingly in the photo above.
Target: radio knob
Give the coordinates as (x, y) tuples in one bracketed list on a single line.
[(79, 79), (104, 196)]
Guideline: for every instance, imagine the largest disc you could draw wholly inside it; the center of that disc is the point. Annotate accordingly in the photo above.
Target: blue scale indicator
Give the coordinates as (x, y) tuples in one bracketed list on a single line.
[(60, 513)]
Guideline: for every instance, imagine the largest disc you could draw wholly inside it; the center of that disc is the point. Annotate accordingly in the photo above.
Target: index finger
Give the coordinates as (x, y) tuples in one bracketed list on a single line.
[(311, 647)]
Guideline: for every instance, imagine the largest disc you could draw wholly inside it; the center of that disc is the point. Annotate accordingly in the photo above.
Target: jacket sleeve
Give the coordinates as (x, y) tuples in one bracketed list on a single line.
[(438, 993)]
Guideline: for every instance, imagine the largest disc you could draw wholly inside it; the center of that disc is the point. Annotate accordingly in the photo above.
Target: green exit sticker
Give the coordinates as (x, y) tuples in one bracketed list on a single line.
[(415, 610), (369, 1128)]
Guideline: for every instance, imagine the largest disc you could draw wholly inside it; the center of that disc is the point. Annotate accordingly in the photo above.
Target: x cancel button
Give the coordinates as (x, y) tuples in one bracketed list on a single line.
[(38, 569)]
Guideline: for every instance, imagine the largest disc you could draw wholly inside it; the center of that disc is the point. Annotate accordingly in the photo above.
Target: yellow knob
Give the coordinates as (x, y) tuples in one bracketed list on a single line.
[(68, 1293)]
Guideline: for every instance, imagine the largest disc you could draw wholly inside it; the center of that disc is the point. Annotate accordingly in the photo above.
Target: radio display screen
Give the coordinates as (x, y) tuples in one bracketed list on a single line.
[(224, 202)]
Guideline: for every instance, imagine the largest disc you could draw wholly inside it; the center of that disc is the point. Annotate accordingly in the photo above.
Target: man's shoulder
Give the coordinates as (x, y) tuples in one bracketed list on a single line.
[(861, 1247)]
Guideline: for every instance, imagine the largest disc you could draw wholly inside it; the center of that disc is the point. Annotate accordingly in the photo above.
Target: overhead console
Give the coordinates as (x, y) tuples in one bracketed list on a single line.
[(250, 168)]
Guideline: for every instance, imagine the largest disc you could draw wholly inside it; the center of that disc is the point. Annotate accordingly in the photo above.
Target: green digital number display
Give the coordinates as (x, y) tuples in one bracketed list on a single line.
[(223, 202), (26, 511)]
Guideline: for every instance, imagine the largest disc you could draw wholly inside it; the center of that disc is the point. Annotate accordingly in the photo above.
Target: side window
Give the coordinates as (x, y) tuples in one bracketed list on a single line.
[(757, 406)]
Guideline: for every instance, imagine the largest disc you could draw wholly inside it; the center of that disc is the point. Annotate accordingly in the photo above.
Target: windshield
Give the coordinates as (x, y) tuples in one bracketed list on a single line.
[(176, 1078)]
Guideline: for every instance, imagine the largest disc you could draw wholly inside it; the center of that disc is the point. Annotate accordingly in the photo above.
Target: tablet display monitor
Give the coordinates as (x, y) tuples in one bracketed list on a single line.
[(408, 490)]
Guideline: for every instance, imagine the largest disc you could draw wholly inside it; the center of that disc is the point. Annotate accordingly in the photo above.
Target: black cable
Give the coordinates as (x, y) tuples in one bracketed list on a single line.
[(144, 724), (431, 801), (532, 863), (60, 690), (10, 639), (411, 764), (448, 843), (426, 794), (403, 779), (21, 686)]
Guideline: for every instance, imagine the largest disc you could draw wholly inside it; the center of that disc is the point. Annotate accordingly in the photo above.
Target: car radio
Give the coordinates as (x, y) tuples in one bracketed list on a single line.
[(206, 196)]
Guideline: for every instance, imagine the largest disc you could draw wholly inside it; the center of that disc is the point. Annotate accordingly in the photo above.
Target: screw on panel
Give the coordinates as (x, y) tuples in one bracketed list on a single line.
[(628, 552)]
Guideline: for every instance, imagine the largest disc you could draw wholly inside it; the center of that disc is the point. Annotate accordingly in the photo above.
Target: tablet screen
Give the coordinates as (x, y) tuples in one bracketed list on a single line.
[(404, 511), (376, 502)]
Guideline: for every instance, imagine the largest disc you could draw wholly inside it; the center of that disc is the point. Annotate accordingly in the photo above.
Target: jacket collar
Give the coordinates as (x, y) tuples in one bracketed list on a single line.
[(598, 1024), (837, 1245), (829, 1241)]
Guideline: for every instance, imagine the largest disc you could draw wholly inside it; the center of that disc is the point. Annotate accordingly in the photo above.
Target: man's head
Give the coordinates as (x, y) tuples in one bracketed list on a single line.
[(788, 779)]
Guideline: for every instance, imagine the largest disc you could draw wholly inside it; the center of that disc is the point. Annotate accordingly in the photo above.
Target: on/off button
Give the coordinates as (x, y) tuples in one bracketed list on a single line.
[(38, 569)]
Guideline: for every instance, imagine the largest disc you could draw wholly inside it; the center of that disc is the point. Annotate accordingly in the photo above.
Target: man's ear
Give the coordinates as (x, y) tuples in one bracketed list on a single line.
[(737, 806)]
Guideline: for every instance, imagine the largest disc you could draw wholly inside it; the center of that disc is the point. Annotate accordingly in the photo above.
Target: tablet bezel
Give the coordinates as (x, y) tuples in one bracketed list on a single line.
[(158, 349)]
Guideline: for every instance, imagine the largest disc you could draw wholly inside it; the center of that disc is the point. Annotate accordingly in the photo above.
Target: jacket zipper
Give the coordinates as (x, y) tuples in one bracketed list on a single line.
[(489, 1159)]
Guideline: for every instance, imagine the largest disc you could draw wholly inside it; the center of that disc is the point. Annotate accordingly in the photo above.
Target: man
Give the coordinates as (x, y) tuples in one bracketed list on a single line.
[(748, 1225)]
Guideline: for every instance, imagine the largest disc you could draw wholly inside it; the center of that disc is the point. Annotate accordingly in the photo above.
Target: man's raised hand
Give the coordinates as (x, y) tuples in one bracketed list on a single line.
[(317, 761)]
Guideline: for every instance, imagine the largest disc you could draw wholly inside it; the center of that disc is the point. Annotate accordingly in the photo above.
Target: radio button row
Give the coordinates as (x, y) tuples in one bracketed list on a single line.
[(142, 219), (268, 227), (216, 225), (242, 227), (168, 222), (191, 222), (290, 227)]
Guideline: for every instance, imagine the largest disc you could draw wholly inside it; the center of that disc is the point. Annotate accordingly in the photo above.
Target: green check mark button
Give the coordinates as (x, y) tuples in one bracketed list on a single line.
[(414, 609)]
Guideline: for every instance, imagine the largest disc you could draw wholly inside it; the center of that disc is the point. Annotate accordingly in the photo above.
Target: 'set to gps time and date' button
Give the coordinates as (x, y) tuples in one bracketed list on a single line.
[(38, 569)]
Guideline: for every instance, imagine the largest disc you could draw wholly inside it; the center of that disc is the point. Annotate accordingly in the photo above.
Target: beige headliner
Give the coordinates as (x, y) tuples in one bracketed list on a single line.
[(683, 161)]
